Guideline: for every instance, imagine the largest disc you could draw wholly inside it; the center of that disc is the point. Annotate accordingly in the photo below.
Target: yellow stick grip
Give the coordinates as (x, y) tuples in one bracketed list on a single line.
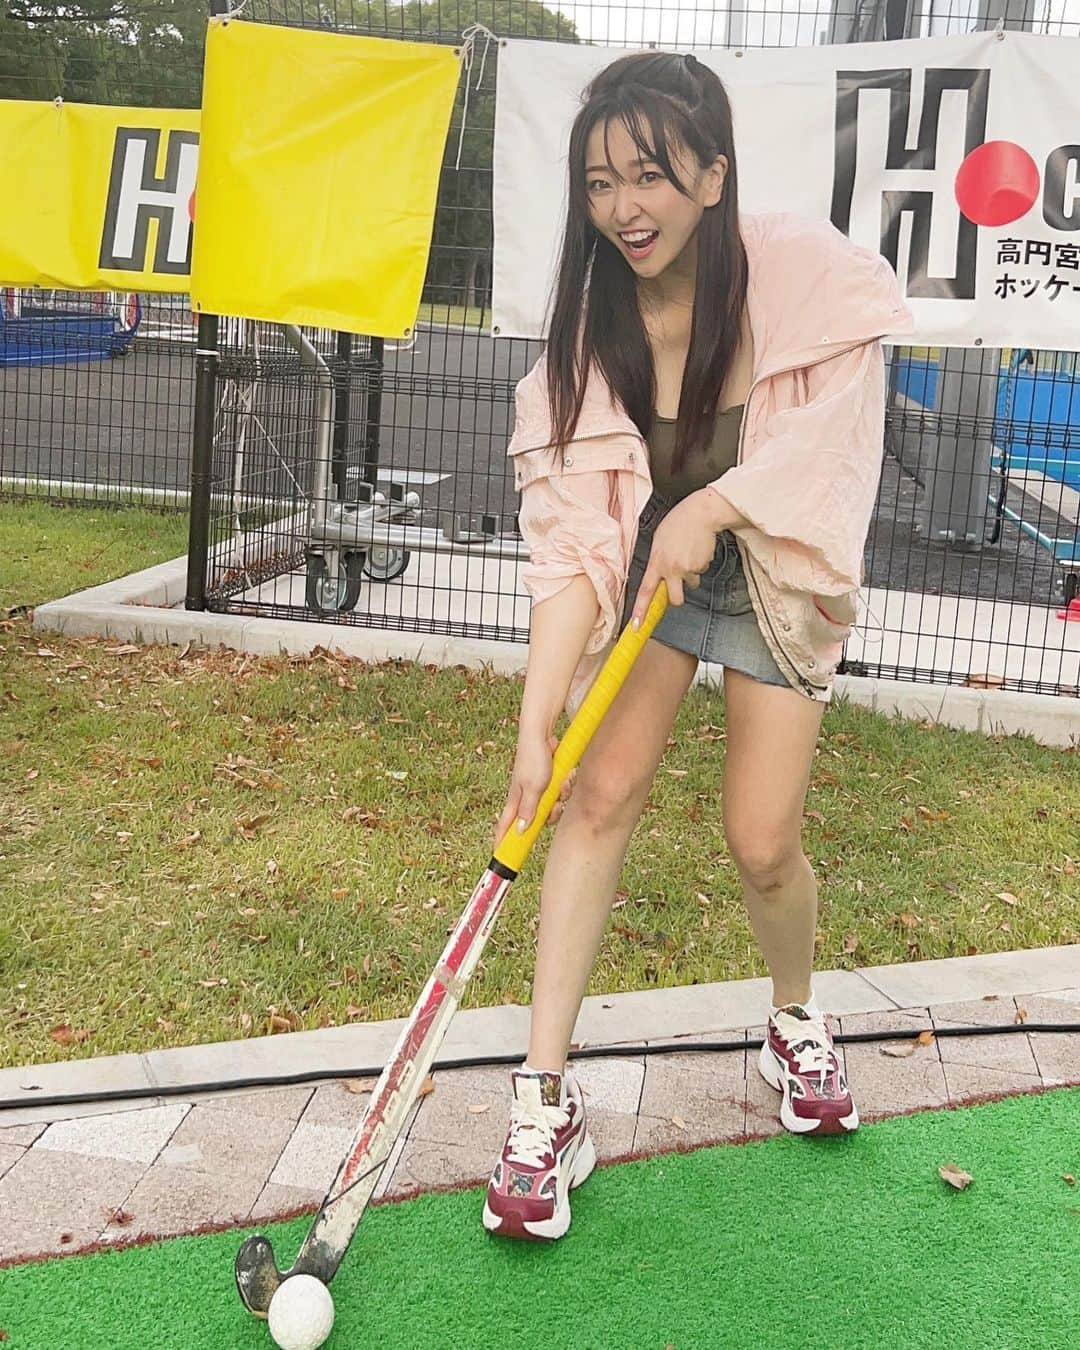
[(514, 848)]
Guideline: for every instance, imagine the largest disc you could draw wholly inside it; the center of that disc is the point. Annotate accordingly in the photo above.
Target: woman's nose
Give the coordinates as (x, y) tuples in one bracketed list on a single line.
[(626, 208)]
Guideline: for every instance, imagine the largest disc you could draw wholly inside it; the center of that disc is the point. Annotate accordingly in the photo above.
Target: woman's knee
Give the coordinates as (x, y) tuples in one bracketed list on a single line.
[(766, 854), (607, 796)]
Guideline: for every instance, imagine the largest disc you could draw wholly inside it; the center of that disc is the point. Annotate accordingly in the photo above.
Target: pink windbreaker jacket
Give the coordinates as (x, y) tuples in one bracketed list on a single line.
[(809, 457)]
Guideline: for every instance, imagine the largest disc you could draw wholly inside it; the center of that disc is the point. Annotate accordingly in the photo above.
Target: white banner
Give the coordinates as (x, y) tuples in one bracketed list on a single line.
[(958, 158)]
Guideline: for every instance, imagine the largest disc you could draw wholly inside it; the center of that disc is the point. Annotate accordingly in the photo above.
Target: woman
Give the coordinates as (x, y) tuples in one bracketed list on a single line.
[(713, 417)]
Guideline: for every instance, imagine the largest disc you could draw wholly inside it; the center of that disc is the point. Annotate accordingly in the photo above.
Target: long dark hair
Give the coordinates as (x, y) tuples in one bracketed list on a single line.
[(659, 97)]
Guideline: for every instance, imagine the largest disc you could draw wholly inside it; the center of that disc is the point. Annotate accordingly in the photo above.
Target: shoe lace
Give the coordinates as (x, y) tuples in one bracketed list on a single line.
[(532, 1132), (809, 1043)]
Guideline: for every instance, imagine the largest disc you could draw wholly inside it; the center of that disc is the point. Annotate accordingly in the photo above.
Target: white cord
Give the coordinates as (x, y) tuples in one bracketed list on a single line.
[(880, 628), (469, 39)]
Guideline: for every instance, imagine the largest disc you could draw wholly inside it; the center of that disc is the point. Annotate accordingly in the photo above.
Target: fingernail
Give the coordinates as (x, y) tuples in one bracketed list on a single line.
[(521, 826), (635, 624)]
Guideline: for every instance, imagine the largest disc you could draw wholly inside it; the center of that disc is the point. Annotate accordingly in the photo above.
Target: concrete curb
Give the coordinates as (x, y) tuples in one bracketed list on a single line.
[(613, 1020), (141, 608)]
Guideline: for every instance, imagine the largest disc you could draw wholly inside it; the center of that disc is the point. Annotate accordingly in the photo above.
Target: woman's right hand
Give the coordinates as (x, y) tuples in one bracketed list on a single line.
[(528, 781)]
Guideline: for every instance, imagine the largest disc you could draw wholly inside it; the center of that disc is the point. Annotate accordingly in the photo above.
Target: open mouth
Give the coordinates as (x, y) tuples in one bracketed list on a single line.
[(641, 243)]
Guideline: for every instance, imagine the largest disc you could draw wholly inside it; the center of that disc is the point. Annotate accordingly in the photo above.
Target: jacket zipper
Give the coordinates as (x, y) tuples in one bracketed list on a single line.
[(783, 370)]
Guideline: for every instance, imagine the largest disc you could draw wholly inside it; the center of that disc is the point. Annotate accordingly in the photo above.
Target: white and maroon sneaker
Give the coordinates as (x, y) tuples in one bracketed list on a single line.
[(547, 1153), (798, 1058)]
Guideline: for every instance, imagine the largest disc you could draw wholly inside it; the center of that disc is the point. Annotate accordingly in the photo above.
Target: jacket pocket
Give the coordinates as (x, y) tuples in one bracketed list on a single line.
[(839, 612)]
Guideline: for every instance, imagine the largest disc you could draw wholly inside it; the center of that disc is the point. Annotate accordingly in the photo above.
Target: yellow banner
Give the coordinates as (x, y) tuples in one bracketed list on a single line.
[(319, 173), (96, 198)]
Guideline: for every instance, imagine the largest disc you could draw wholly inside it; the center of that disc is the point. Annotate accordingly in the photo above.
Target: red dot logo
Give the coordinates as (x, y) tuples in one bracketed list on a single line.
[(997, 183)]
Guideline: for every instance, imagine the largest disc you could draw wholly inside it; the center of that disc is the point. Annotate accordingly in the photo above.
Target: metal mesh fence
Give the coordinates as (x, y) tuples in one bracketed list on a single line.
[(354, 481)]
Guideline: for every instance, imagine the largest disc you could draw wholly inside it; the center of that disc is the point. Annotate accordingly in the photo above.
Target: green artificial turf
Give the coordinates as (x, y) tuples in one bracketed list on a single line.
[(852, 1242)]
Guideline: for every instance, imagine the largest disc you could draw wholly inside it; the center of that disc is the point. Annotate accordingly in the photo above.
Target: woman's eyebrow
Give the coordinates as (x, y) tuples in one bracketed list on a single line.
[(635, 163)]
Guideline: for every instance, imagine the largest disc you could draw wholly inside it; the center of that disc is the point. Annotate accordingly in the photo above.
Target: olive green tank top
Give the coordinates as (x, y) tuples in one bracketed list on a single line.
[(700, 467)]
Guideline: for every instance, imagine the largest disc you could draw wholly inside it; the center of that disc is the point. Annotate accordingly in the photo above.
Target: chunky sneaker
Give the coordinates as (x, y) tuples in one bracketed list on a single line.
[(797, 1057), (547, 1152)]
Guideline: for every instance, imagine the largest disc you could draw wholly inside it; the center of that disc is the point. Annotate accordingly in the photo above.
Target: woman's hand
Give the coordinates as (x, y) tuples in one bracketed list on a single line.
[(682, 548), (530, 777)]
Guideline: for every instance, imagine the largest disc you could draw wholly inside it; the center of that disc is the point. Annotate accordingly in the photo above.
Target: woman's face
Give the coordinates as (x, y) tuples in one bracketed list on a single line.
[(641, 211)]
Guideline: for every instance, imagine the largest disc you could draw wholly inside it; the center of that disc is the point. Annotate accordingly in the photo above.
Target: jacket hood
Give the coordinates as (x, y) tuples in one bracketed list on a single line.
[(811, 289)]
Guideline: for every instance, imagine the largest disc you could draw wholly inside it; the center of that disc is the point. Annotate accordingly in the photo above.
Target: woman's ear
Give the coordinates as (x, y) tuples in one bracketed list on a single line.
[(714, 180)]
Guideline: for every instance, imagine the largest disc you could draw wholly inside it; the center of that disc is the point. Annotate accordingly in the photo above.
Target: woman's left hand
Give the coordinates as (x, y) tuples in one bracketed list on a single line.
[(683, 546)]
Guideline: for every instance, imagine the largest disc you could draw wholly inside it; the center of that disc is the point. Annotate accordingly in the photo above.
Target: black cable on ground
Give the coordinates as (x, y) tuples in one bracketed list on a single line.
[(486, 1061)]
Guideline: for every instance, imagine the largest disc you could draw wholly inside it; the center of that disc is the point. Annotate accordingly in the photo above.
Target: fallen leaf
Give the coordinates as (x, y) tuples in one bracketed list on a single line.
[(983, 682), (1007, 897), (924, 1038), (65, 1238), (121, 1218), (851, 942), (128, 649), (279, 1023), (359, 1086), (426, 1087), (678, 773), (479, 1109), (1068, 1178), (678, 1122), (44, 651), (63, 1035), (249, 824), (1021, 1015), (955, 1176), (901, 1051)]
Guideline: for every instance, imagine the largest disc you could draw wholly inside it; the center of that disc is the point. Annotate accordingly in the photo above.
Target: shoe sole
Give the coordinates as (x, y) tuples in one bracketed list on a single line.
[(513, 1224), (772, 1070)]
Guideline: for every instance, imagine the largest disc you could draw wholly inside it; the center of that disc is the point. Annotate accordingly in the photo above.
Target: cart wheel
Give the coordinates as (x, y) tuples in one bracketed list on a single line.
[(333, 595), (385, 564), (1071, 587)]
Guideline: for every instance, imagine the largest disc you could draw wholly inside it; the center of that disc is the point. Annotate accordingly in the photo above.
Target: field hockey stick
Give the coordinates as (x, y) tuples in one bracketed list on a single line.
[(257, 1273)]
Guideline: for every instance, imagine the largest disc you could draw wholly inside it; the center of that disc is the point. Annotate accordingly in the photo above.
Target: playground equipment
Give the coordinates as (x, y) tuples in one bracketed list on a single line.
[(45, 327), (1035, 446), (347, 525)]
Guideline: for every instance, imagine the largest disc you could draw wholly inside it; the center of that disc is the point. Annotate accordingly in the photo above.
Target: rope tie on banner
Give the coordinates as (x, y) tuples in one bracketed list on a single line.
[(469, 38)]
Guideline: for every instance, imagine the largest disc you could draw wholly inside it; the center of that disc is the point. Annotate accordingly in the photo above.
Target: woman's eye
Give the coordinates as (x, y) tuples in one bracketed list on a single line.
[(650, 173), (595, 185)]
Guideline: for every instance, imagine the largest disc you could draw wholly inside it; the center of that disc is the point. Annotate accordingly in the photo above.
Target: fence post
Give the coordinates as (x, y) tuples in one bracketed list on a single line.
[(202, 457), (202, 447), (954, 506), (343, 386)]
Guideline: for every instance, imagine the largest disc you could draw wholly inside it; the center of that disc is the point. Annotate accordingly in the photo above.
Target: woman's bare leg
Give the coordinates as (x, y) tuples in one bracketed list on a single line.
[(590, 842), (771, 735)]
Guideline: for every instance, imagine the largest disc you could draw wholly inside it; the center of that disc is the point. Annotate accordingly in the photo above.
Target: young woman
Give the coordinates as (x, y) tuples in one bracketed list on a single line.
[(711, 415)]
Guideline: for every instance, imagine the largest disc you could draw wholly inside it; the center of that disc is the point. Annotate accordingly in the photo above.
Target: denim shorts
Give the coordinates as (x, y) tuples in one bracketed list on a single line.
[(716, 621)]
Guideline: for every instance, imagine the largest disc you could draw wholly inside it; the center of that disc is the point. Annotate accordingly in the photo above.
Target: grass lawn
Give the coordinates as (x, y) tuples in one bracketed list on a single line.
[(49, 550), (454, 316), (196, 846)]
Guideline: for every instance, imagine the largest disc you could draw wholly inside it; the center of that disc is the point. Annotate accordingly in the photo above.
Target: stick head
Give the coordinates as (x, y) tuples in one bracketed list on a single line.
[(257, 1274)]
